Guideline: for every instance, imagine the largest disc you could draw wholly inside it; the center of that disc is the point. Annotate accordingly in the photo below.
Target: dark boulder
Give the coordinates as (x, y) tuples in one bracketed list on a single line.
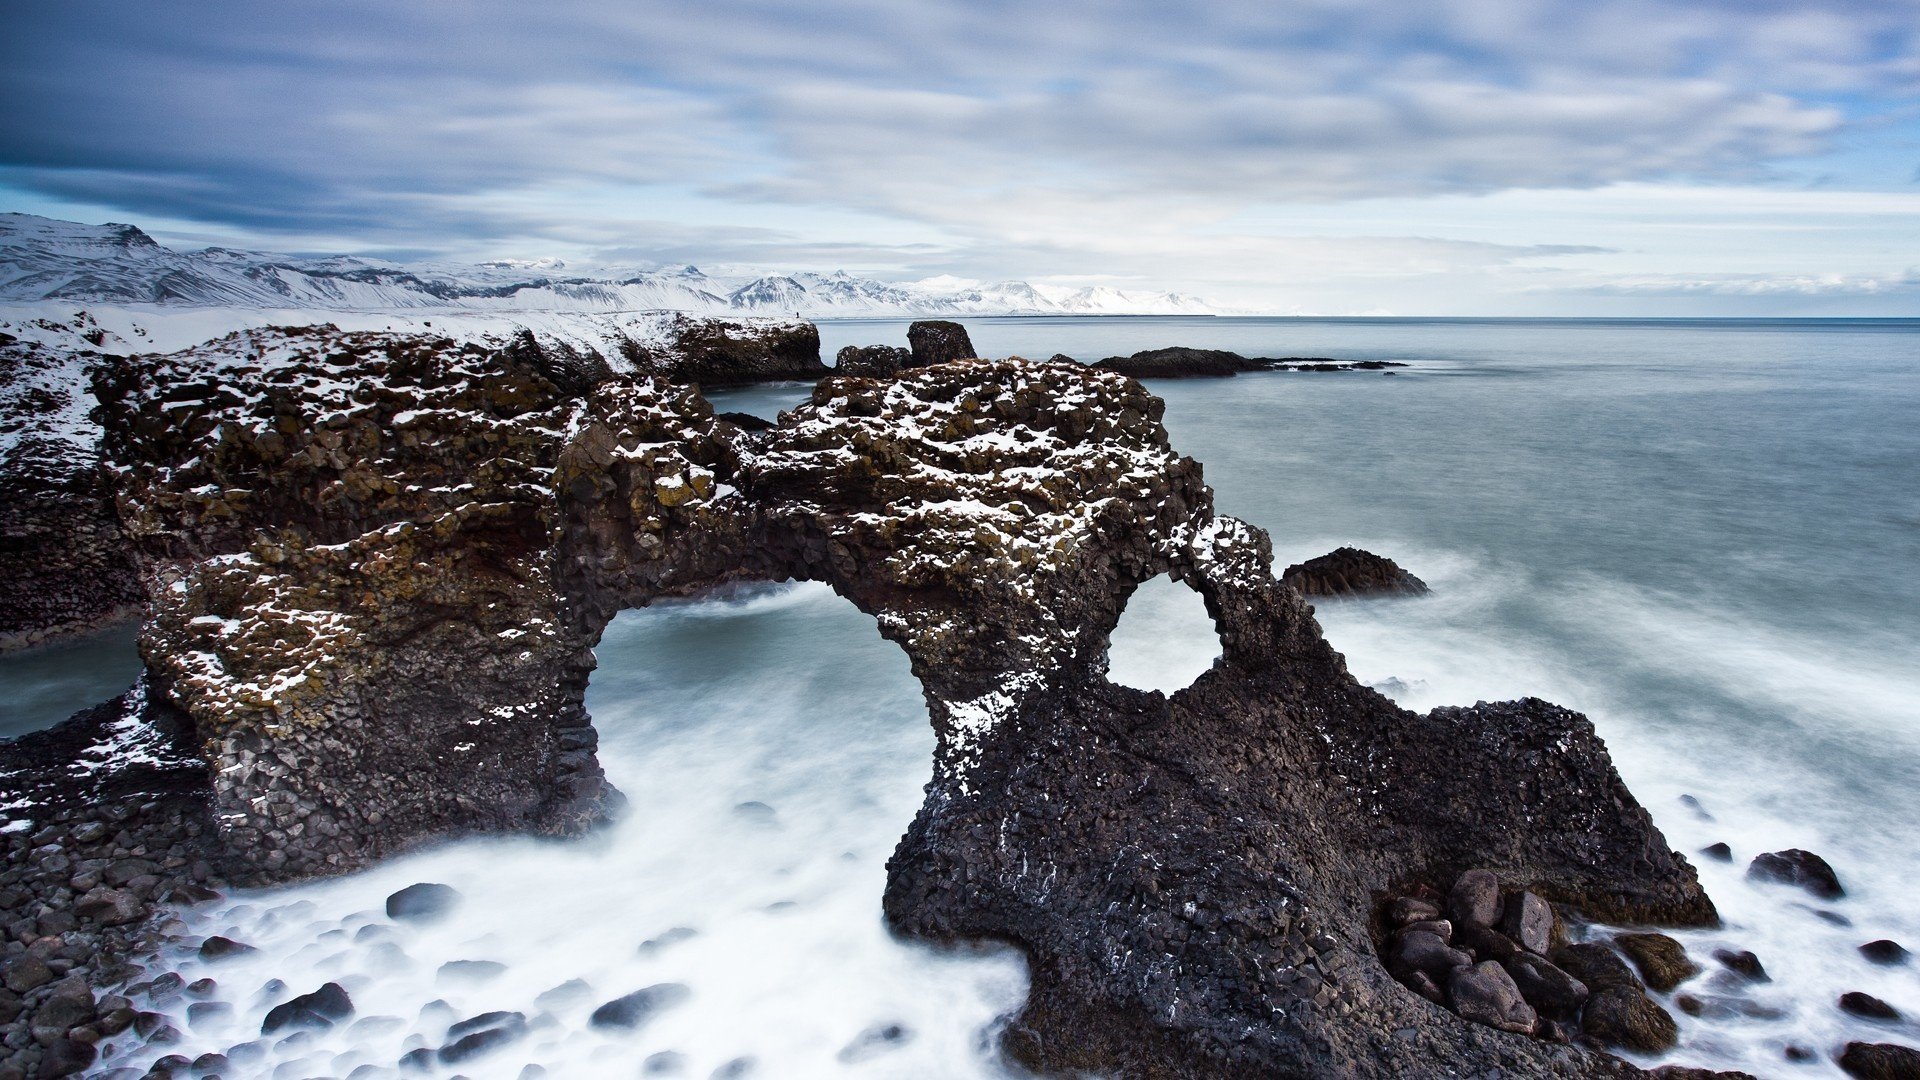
[(872, 361), (1880, 1061), (1474, 900), (1351, 571), (1424, 952), (482, 1034), (1409, 909), (1528, 920), (1743, 963), (745, 421), (1182, 363), (1551, 991), (727, 352), (1663, 962), (636, 1008), (1885, 951), (1599, 967), (1718, 852), (936, 341), (1626, 1017), (1800, 868), (1867, 1006), (220, 948), (1486, 994), (424, 900), (319, 1009)]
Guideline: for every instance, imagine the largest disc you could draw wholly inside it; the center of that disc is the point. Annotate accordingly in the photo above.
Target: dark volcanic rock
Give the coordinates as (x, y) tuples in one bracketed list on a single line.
[(1486, 994), (935, 341), (1551, 991), (1662, 961), (376, 538), (1352, 572), (636, 1008), (1528, 920), (722, 352), (1719, 852), (1743, 963), (872, 361), (320, 1009), (1182, 363), (422, 900), (1880, 1061), (1800, 868), (1867, 1006), (1628, 1018), (62, 557), (1475, 900), (1885, 951)]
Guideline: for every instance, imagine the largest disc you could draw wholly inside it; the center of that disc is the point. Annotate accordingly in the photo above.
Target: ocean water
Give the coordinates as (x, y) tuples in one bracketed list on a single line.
[(1703, 535)]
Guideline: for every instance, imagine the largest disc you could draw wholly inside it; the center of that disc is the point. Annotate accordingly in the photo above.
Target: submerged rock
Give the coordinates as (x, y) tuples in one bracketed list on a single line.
[(1867, 1006), (1352, 572), (1880, 1061), (423, 900), (1885, 951), (1663, 962), (1799, 868), (320, 1009), (636, 1008)]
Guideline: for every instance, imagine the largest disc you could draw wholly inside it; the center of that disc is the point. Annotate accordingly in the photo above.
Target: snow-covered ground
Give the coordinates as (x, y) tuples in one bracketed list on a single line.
[(43, 259)]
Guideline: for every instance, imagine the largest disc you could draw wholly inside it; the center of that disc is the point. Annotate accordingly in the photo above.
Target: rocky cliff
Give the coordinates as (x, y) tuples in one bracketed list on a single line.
[(379, 563)]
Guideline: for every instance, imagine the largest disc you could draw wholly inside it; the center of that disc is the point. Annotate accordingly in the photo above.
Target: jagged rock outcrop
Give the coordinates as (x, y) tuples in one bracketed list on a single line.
[(380, 563), (872, 361), (63, 560), (1181, 362), (1350, 571), (721, 352), (937, 341)]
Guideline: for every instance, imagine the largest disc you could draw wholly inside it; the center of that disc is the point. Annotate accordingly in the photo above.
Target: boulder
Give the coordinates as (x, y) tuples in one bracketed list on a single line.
[(1743, 963), (1802, 869), (423, 900), (318, 1009), (636, 1008), (1626, 1017), (1486, 994), (1351, 572), (1475, 900), (220, 948), (1880, 1061), (1599, 967), (872, 361), (1408, 909), (1551, 991), (1182, 363), (1663, 962), (1885, 951), (936, 341), (1425, 952), (1528, 920), (1867, 1006), (1718, 852)]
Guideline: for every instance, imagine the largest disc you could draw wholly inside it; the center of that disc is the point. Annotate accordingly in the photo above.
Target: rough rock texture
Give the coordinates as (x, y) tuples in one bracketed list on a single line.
[(1350, 571), (1880, 1061), (379, 563), (936, 341), (118, 824), (61, 555), (719, 352), (1802, 869), (872, 361), (1181, 362)]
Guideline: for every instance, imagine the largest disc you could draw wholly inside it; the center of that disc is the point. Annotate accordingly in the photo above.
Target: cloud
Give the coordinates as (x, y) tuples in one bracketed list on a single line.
[(1106, 137)]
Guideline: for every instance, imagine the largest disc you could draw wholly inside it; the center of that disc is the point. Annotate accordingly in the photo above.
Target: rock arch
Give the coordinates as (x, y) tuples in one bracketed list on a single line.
[(378, 564)]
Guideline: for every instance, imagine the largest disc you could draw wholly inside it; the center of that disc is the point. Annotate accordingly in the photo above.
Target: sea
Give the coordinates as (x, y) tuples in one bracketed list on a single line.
[(1704, 534)]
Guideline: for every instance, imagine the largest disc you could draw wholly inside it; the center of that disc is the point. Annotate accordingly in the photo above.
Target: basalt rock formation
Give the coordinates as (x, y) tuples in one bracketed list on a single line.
[(872, 361), (1350, 571), (378, 564), (1181, 362), (61, 554), (936, 341), (721, 352)]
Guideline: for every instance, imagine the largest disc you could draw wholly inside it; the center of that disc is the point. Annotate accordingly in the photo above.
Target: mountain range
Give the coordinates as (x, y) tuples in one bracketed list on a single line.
[(46, 259)]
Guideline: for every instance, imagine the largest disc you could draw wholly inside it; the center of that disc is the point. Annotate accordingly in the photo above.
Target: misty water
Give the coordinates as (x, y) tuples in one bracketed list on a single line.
[(1702, 535)]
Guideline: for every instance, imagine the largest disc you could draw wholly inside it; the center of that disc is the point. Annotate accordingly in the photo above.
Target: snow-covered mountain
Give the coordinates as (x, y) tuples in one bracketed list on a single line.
[(45, 259)]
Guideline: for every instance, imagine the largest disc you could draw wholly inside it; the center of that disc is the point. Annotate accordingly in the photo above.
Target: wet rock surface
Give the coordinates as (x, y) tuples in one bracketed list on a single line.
[(1880, 1061), (1801, 869), (1347, 571), (1181, 362), (358, 542), (62, 557)]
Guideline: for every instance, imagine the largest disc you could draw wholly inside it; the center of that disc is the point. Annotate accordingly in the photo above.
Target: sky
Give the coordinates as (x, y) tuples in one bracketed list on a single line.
[(1453, 157)]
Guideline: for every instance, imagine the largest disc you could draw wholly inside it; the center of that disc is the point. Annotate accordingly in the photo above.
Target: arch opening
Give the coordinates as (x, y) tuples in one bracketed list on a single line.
[(771, 747), (1165, 638)]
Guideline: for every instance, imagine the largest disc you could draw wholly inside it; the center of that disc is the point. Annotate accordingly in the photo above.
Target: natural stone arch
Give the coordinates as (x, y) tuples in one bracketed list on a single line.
[(1165, 639), (1192, 878)]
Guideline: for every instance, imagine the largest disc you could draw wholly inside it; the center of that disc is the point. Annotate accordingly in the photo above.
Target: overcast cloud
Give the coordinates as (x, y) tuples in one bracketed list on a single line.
[(1461, 155)]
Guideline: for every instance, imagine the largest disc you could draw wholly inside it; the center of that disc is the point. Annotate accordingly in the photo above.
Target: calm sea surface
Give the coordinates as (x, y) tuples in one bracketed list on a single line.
[(1705, 535)]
